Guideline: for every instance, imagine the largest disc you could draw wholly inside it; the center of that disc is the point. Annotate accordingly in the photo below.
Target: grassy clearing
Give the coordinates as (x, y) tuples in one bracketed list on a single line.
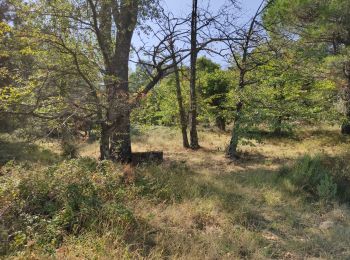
[(196, 205)]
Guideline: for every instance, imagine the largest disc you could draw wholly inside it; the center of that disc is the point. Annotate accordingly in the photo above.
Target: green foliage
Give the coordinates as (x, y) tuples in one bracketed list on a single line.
[(42, 205), (327, 189), (172, 186), (311, 175), (160, 107), (215, 85), (69, 149)]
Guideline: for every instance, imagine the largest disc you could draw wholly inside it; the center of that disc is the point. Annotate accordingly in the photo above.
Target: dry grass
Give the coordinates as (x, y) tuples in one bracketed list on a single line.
[(203, 206), (231, 210)]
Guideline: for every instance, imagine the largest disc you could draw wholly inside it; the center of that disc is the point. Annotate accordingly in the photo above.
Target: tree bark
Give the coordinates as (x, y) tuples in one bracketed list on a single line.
[(232, 149), (221, 123), (182, 113), (345, 128), (193, 97), (118, 114), (104, 143), (278, 126)]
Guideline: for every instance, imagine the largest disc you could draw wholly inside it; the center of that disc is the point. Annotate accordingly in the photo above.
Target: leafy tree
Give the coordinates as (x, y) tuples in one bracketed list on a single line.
[(287, 94), (91, 42), (319, 24), (215, 85)]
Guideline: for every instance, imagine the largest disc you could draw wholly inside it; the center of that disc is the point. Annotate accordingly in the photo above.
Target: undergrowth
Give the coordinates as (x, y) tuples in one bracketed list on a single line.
[(41, 205)]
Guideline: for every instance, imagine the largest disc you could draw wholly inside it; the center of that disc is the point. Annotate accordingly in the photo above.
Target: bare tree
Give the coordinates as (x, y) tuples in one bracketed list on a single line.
[(193, 96)]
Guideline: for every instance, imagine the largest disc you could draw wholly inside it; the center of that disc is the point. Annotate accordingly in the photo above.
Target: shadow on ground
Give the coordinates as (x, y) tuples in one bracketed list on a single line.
[(23, 151)]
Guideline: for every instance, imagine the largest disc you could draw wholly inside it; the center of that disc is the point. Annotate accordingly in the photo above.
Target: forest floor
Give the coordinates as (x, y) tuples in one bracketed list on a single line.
[(204, 206)]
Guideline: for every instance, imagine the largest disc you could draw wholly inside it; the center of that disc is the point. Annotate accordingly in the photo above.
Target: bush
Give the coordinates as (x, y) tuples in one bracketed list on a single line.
[(311, 175), (69, 149), (40, 205)]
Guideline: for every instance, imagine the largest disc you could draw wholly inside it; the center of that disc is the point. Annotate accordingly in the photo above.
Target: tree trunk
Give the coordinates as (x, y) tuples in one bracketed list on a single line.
[(232, 149), (278, 126), (118, 94), (193, 96), (182, 113), (345, 128), (221, 123), (120, 149), (104, 144)]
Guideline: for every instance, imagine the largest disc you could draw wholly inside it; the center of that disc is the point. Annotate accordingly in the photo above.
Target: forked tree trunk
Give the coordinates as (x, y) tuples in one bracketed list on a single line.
[(115, 133), (193, 95)]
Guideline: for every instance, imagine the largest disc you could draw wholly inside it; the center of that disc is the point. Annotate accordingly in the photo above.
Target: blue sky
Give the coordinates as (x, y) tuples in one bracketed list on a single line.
[(248, 6)]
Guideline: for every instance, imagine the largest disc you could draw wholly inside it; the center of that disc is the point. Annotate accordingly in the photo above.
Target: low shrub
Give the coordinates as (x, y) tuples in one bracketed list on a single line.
[(40, 205), (310, 174), (69, 149)]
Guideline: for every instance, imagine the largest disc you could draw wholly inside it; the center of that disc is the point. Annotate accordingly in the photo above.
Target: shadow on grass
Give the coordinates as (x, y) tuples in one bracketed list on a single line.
[(23, 151), (326, 136)]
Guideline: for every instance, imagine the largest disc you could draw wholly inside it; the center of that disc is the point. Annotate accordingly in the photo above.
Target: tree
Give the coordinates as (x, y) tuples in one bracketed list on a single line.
[(215, 85), (320, 25), (287, 94), (193, 77), (92, 42), (182, 113), (245, 61)]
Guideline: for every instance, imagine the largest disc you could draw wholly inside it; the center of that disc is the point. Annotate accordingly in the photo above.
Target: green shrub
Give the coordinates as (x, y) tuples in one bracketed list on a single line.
[(44, 204), (69, 149), (172, 184), (311, 175), (327, 189)]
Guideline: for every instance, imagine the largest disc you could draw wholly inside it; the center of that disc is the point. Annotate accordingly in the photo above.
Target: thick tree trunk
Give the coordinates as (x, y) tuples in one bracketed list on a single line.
[(220, 123), (104, 144), (193, 96), (118, 94), (120, 149)]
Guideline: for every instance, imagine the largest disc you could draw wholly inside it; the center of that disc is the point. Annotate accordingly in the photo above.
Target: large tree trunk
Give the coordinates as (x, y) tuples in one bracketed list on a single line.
[(104, 143), (119, 112), (116, 133), (120, 148), (193, 96)]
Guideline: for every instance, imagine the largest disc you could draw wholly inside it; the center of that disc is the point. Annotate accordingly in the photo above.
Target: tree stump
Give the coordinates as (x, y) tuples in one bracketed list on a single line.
[(345, 128)]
